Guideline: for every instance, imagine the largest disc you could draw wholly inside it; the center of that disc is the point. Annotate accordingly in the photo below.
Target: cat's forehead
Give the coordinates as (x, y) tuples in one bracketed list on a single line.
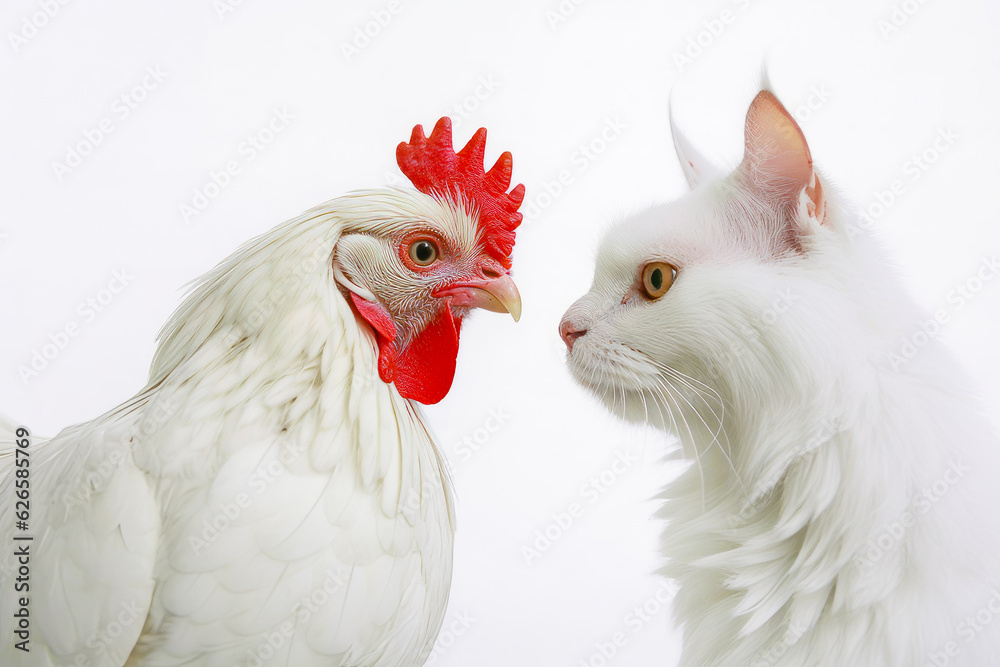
[(679, 232)]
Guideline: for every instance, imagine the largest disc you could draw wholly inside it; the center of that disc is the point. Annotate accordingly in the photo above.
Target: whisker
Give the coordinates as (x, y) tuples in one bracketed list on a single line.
[(665, 388), (715, 436), (691, 382), (676, 375)]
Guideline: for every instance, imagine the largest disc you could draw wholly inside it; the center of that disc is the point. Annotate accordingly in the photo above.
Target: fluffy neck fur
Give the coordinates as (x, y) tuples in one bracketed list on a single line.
[(789, 533), (834, 512)]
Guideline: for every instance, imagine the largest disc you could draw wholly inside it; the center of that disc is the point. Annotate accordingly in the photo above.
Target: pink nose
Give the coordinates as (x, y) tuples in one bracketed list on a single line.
[(570, 333)]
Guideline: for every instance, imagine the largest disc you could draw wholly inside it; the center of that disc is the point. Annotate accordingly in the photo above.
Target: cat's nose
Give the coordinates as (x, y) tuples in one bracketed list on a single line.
[(570, 333)]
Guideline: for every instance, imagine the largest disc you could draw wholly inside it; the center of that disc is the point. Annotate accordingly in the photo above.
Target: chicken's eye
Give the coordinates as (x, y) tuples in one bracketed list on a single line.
[(657, 277), (423, 252)]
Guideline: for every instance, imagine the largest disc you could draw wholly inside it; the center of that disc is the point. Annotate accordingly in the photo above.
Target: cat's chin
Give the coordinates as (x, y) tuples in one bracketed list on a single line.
[(628, 404), (632, 410), (620, 377)]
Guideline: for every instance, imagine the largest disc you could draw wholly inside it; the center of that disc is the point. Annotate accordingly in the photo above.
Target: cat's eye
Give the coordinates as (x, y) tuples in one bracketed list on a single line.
[(423, 252), (657, 277)]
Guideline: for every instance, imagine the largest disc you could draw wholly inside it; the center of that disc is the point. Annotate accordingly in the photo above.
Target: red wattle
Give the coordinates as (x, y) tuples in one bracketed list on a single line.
[(385, 334), (425, 370)]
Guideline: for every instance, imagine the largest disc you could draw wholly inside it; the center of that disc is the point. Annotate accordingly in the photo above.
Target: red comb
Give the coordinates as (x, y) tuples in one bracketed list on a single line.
[(435, 169)]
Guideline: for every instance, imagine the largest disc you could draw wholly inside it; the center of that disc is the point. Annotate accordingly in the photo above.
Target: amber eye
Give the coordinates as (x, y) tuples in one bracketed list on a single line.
[(423, 252), (657, 277)]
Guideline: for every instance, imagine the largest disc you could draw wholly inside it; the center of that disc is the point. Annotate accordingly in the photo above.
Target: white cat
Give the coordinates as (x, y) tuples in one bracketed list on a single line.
[(841, 506)]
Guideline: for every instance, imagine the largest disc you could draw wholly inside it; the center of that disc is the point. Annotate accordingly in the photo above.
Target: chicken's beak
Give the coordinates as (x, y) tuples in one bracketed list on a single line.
[(499, 295)]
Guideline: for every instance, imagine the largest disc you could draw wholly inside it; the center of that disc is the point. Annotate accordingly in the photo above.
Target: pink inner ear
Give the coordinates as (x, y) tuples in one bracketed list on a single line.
[(775, 149), (816, 201)]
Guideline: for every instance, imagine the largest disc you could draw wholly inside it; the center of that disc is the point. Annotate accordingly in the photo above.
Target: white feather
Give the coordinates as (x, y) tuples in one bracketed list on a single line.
[(271, 502)]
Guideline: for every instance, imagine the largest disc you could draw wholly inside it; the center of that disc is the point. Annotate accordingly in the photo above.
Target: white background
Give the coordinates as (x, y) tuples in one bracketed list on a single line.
[(555, 82)]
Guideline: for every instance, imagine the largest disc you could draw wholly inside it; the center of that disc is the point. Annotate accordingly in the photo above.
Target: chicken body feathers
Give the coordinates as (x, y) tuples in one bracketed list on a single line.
[(266, 499)]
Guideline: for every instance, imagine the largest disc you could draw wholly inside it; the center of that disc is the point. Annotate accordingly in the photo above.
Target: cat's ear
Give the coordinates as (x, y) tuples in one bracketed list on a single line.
[(696, 167), (778, 162)]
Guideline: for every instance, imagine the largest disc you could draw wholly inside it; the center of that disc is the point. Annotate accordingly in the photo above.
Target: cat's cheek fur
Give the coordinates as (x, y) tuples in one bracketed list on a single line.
[(779, 371)]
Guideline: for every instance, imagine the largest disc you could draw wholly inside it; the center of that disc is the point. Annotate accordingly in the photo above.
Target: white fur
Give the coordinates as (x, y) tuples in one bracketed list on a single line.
[(778, 371)]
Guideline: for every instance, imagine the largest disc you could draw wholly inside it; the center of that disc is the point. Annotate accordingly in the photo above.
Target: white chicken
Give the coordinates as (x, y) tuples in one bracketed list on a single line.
[(274, 494)]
